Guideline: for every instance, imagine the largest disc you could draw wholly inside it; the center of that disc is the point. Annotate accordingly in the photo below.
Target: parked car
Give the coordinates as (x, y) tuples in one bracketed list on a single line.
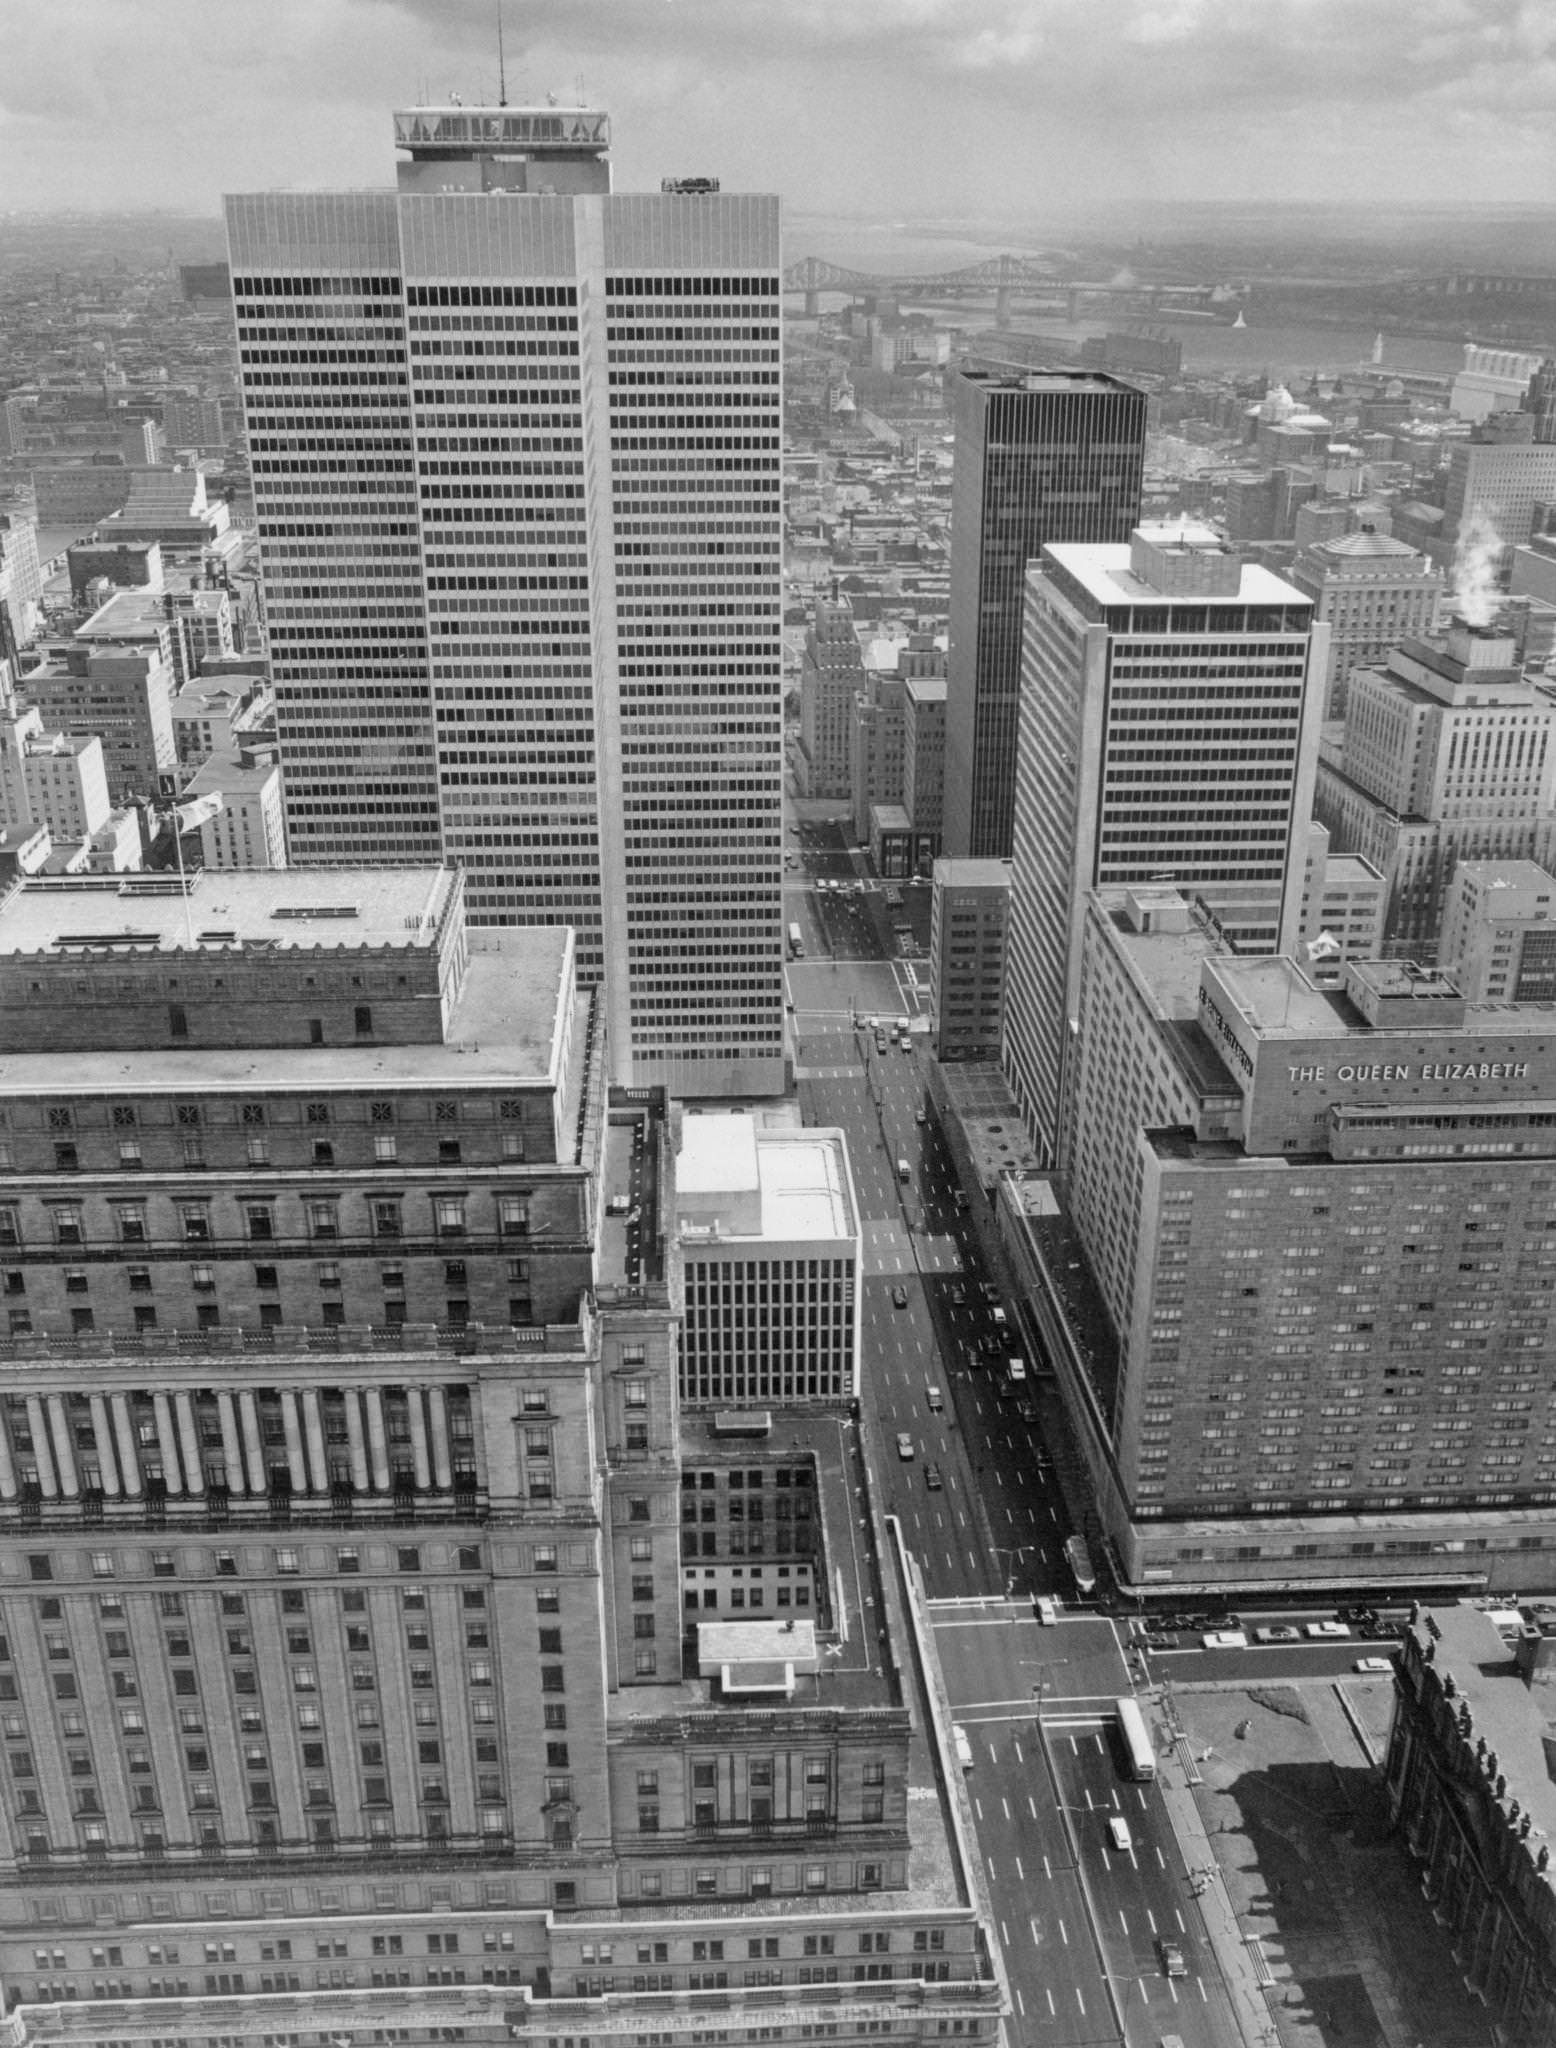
[(1224, 1639), (1326, 1630), (1377, 1666), (1278, 1634), (964, 1749)]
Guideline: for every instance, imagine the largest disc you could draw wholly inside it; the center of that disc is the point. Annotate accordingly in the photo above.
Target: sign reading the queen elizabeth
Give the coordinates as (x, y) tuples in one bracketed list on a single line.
[(1430, 1070)]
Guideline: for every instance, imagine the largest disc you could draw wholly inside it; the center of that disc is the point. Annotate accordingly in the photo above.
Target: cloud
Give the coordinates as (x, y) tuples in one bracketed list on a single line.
[(943, 106)]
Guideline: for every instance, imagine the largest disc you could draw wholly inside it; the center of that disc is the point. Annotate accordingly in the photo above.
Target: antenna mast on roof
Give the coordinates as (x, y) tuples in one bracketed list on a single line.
[(502, 69)]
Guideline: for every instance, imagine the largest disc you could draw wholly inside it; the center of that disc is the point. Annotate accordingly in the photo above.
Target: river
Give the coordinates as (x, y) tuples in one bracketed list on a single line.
[(1289, 351)]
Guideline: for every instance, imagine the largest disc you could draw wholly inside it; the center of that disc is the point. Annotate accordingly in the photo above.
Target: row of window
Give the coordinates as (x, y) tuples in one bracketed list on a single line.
[(324, 1218)]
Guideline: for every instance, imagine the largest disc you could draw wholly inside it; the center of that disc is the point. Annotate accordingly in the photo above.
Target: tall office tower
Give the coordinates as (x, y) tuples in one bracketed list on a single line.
[(1449, 754), (831, 675), (1372, 592), (347, 1524), (515, 444), (1041, 455), (1300, 1303), (1169, 726)]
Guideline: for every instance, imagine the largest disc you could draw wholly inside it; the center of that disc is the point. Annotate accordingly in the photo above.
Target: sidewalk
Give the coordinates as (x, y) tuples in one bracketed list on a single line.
[(1239, 1965)]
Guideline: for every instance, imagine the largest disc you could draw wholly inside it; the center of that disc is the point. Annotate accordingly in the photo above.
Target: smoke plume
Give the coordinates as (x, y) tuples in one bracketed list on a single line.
[(1475, 560)]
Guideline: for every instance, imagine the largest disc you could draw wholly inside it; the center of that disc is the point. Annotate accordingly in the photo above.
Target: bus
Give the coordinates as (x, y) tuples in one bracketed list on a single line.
[(796, 943), (1140, 1758), (1078, 1558)]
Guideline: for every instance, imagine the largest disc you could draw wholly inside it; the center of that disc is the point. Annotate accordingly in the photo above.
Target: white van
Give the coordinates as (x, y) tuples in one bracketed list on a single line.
[(1118, 1833), (1017, 1369), (964, 1749)]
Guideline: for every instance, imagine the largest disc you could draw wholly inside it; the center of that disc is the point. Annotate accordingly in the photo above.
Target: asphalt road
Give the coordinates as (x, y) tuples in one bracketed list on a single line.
[(1078, 1920)]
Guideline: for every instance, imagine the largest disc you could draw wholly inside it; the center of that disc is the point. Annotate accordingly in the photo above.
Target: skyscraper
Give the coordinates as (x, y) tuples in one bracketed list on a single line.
[(1041, 455), (1169, 723), (515, 444)]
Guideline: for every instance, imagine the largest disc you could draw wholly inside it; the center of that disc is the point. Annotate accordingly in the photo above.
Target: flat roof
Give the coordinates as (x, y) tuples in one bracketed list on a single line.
[(967, 873), (801, 1176), (805, 1187), (1102, 569), (506, 1028), (343, 909)]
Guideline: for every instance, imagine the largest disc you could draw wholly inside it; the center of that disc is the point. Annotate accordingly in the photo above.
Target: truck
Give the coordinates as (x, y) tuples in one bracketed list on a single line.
[(796, 943)]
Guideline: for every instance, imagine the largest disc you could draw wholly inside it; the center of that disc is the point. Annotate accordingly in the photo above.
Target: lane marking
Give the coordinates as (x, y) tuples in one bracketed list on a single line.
[(1064, 1934)]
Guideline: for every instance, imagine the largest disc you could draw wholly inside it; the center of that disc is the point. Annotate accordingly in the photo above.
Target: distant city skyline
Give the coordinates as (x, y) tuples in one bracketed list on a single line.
[(935, 106)]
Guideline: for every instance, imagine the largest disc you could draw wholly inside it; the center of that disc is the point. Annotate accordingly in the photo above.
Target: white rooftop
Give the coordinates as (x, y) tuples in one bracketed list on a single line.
[(1102, 569), (736, 1180)]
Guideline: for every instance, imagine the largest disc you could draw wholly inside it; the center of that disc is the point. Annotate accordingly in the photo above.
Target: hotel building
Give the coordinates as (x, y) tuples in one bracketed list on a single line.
[(1300, 1297), (352, 1685)]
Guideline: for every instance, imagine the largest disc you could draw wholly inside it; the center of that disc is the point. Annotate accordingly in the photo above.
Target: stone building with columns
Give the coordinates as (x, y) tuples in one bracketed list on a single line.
[(345, 1694)]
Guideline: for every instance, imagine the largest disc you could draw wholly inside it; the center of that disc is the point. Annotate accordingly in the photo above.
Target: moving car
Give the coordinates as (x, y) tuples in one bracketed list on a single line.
[(958, 1294), (921, 1116), (904, 1445), (934, 1396), (1046, 1609), (1118, 1833), (1171, 1958), (899, 1297), (932, 1478)]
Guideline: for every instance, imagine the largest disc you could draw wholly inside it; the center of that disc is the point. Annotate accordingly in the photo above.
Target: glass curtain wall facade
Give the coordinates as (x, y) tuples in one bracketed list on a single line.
[(1051, 455)]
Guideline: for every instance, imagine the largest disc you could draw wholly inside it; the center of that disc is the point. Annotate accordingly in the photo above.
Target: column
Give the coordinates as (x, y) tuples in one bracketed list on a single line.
[(167, 1441), (64, 1449), (232, 1446), (252, 1443), (440, 1464), (8, 1487), (102, 1430), (129, 1450), (318, 1453), (38, 1424), (418, 1421), (355, 1440), (189, 1441), (377, 1437), (292, 1424)]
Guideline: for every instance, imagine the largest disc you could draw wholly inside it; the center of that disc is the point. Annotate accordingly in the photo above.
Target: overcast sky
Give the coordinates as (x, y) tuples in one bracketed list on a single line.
[(983, 108)]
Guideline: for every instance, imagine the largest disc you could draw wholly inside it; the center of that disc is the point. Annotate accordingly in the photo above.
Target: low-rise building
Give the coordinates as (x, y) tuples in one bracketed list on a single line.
[(1499, 932), (767, 1235), (1471, 1777)]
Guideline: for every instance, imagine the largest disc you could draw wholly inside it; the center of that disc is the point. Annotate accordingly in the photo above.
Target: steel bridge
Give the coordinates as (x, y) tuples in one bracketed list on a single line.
[(1001, 278)]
